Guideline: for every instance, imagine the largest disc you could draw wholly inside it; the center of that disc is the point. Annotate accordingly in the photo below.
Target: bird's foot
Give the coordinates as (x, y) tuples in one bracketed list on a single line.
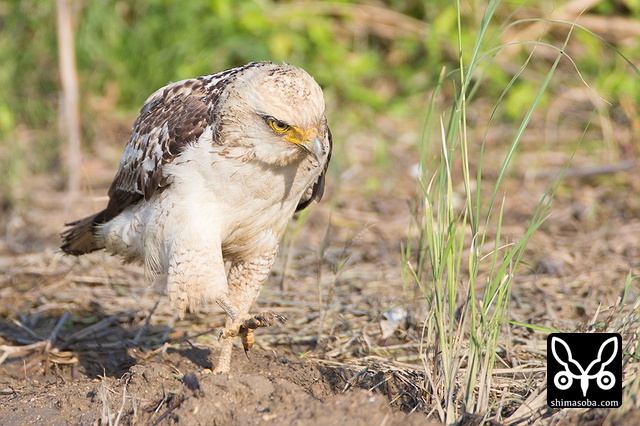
[(260, 320), (264, 319), (244, 328)]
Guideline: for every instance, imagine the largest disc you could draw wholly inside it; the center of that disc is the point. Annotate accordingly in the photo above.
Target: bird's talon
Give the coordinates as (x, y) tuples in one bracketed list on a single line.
[(246, 336)]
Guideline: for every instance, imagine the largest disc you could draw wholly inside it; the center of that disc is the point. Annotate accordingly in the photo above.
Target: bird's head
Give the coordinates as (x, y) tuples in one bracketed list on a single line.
[(278, 111)]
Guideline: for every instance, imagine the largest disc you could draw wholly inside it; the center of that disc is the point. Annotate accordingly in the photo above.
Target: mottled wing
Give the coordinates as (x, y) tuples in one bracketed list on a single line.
[(171, 119), (316, 191)]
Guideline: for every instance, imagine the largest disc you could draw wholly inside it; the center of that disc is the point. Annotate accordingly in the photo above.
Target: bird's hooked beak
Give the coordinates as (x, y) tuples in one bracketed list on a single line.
[(314, 148)]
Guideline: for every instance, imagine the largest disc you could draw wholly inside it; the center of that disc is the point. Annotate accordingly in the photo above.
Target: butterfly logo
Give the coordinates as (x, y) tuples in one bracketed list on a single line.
[(573, 370)]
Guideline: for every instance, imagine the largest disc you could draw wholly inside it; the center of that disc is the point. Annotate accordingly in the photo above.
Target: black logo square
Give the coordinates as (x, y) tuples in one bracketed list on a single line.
[(584, 370)]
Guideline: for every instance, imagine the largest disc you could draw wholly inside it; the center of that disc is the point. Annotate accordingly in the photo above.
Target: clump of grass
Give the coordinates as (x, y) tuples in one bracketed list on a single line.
[(459, 257)]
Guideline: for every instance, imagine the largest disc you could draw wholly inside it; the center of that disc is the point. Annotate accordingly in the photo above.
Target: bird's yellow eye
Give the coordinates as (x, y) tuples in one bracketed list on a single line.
[(278, 126)]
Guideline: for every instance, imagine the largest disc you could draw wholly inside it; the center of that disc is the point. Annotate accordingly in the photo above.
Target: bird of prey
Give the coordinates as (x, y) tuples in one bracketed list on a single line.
[(214, 170)]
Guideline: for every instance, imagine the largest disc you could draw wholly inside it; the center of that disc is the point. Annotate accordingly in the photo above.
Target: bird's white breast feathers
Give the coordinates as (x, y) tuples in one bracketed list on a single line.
[(219, 199)]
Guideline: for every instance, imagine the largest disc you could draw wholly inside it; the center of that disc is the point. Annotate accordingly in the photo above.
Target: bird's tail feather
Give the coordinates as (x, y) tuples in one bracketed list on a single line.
[(81, 237)]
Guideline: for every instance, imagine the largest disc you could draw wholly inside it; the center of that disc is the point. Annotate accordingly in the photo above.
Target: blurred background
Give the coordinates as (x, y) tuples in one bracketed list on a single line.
[(378, 62)]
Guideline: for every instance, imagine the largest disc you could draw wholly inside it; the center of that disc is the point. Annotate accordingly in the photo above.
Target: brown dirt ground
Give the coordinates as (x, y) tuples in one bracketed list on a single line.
[(268, 389), (117, 354)]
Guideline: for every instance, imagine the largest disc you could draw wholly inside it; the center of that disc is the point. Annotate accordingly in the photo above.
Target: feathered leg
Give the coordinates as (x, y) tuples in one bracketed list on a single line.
[(195, 273), (245, 281)]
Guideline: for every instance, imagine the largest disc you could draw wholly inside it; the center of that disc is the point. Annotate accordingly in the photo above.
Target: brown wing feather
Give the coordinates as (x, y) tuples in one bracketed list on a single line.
[(172, 118)]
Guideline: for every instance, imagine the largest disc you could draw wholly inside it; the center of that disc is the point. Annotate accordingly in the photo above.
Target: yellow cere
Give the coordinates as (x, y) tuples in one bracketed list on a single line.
[(295, 136), (300, 136)]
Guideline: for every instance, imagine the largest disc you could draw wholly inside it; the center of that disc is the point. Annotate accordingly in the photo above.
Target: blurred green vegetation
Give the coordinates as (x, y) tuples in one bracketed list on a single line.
[(372, 58)]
